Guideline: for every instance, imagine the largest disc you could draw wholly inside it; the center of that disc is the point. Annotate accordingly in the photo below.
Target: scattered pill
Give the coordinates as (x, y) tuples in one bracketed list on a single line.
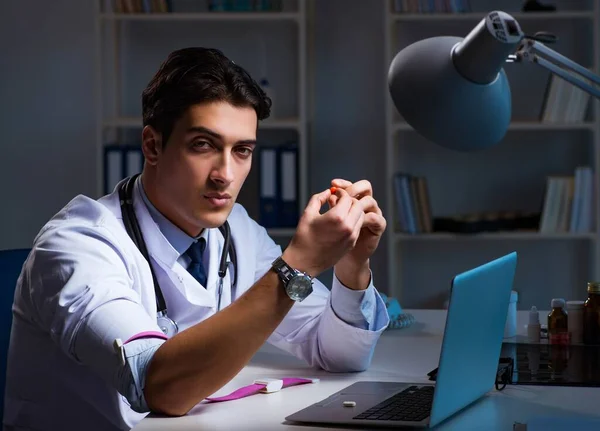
[(349, 403)]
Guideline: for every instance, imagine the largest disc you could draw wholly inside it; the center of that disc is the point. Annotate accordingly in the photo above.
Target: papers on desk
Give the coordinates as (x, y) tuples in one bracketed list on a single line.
[(559, 424)]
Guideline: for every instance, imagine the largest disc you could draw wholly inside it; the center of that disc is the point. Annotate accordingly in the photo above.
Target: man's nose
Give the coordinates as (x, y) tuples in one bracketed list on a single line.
[(223, 171)]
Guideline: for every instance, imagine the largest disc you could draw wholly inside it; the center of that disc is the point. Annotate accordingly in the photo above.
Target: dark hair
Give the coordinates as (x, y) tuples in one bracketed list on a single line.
[(196, 75)]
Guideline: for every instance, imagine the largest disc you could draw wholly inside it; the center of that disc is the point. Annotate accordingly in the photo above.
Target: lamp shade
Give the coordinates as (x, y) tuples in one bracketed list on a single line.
[(453, 91)]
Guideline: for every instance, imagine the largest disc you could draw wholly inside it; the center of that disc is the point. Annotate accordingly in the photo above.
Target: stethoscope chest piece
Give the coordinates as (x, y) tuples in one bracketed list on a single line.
[(166, 324)]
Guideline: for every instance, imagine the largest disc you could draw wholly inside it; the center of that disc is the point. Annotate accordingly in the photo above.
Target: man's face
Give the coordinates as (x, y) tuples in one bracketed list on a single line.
[(200, 171)]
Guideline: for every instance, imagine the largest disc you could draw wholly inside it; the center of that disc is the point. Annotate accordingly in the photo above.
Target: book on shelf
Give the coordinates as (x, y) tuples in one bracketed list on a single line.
[(245, 5), (568, 204), (168, 6), (413, 209), (564, 102), (120, 162), (432, 6), (138, 6)]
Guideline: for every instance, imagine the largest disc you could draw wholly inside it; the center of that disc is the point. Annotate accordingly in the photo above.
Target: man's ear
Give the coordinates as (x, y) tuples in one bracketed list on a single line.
[(151, 144)]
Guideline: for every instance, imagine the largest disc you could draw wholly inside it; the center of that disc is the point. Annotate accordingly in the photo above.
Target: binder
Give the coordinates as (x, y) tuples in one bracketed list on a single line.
[(121, 161), (134, 162), (268, 186), (113, 167), (288, 180)]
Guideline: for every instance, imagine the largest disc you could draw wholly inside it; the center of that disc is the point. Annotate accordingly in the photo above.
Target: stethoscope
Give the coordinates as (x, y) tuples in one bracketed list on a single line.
[(166, 324)]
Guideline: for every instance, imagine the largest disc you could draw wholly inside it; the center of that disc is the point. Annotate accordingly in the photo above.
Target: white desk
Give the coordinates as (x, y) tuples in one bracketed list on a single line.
[(401, 354)]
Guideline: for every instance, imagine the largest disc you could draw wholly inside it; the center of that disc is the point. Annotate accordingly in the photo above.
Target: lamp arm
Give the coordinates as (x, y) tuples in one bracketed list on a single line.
[(533, 50)]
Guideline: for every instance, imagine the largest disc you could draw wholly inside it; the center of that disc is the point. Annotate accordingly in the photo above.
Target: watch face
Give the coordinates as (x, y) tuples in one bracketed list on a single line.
[(299, 287)]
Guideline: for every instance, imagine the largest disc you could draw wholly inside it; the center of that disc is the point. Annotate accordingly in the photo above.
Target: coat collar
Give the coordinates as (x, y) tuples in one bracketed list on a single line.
[(157, 244)]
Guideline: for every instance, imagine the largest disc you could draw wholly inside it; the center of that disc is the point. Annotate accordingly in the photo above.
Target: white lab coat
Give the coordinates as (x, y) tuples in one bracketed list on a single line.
[(83, 262)]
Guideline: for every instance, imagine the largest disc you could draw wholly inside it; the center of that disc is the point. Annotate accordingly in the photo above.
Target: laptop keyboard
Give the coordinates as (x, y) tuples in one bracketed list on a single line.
[(412, 404)]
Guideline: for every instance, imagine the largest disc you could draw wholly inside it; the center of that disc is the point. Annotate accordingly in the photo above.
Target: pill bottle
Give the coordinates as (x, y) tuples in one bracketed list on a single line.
[(575, 312), (534, 328), (591, 314), (558, 324)]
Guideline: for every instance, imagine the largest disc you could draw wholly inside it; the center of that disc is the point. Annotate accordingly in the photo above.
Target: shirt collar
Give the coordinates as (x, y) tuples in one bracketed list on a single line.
[(180, 240)]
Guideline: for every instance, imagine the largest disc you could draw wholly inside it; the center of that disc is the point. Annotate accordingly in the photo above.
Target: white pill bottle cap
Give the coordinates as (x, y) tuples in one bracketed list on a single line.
[(534, 316)]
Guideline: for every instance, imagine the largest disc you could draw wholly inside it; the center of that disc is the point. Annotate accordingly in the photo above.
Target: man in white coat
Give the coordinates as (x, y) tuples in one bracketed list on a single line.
[(87, 350)]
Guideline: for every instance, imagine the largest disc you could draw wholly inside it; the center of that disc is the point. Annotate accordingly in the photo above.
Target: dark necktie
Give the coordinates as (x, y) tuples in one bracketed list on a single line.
[(196, 267)]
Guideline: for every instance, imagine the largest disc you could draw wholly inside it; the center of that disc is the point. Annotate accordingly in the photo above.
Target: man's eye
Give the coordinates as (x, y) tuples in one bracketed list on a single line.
[(244, 151), (200, 145)]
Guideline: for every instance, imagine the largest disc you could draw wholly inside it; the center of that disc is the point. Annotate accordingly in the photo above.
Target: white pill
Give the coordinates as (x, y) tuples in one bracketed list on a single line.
[(349, 403)]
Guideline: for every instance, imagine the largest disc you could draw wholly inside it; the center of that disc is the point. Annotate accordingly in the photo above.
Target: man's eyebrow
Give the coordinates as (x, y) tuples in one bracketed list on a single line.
[(201, 129)]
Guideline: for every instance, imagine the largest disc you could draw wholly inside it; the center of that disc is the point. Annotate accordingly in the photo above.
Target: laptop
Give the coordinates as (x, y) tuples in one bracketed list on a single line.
[(467, 367)]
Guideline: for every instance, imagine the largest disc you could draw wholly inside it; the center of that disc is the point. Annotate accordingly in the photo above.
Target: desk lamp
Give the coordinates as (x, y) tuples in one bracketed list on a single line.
[(454, 91)]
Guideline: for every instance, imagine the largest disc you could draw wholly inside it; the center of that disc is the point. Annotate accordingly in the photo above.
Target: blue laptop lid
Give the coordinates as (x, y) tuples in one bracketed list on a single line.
[(473, 335)]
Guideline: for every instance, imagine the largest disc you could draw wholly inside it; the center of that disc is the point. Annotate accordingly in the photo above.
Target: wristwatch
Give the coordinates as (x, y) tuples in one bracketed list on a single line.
[(297, 284)]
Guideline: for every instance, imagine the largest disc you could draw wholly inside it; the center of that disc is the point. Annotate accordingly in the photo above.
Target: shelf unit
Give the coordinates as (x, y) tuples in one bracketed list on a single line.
[(243, 36), (417, 253)]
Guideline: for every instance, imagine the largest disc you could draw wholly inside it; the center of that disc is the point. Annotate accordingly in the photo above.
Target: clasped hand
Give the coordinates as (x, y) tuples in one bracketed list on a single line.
[(345, 236)]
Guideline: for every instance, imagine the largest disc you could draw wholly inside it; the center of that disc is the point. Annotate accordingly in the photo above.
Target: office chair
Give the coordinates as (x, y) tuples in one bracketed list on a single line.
[(11, 262)]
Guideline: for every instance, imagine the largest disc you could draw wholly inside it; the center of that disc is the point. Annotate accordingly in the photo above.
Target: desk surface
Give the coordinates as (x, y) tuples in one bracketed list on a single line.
[(401, 355)]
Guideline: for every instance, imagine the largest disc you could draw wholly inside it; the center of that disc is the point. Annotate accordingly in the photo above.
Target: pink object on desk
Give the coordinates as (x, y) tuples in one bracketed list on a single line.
[(262, 386)]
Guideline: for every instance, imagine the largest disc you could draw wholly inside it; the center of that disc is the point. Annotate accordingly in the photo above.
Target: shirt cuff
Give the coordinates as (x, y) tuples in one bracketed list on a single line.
[(137, 354), (359, 308)]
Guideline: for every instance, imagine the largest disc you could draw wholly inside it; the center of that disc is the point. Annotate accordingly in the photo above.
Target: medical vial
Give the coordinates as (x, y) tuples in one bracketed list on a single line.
[(558, 323), (534, 328), (591, 314), (575, 312)]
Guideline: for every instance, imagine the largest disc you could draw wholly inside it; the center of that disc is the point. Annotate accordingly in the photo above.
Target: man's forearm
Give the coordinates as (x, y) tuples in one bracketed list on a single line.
[(200, 360)]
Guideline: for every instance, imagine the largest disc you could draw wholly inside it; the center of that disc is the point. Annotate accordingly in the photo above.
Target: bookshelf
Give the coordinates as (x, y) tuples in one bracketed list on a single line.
[(512, 176), (271, 44)]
